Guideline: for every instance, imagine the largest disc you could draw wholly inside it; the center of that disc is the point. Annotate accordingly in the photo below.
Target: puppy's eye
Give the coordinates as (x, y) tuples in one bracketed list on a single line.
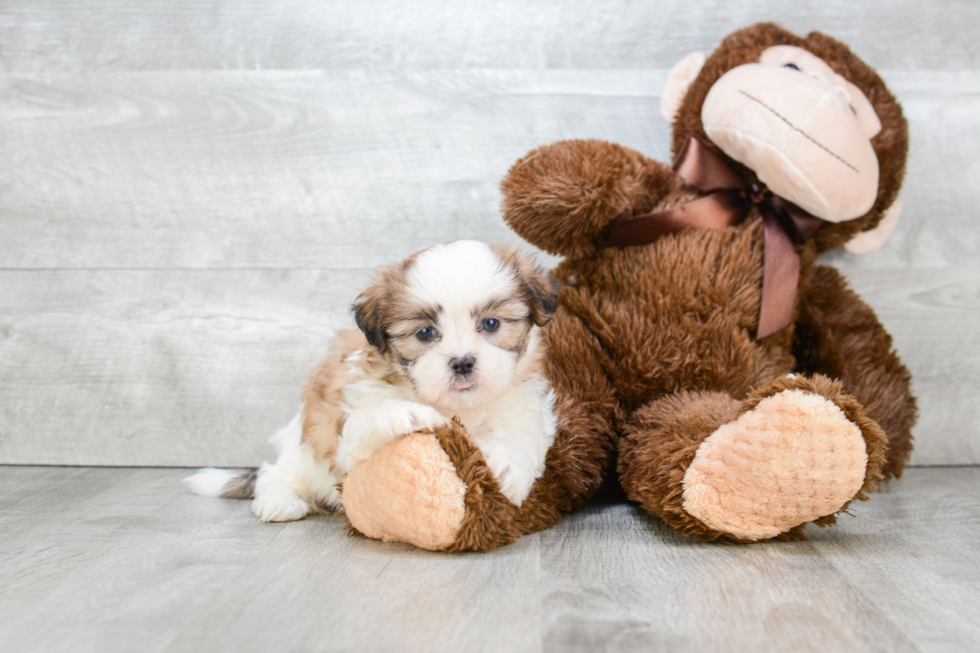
[(491, 324), (791, 66), (426, 334)]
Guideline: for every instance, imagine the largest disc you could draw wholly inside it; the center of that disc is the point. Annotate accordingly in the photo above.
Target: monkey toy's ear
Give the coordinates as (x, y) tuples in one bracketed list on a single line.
[(868, 241), (678, 81), (565, 197)]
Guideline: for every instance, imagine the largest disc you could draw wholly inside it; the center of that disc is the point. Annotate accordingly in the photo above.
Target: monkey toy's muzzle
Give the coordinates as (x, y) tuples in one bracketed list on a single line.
[(798, 132)]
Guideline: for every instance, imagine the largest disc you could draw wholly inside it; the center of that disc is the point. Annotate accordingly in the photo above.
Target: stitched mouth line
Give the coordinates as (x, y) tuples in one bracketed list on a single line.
[(797, 129)]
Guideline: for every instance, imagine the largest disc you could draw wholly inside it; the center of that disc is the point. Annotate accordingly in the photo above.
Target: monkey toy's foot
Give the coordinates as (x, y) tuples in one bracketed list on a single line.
[(431, 489), (799, 451)]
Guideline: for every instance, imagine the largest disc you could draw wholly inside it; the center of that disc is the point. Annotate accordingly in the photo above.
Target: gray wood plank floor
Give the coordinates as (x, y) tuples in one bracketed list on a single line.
[(105, 560)]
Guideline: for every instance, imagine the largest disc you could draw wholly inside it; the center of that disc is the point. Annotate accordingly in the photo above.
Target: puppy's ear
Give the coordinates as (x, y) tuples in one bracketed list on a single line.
[(375, 308), (368, 314), (540, 291), (545, 291)]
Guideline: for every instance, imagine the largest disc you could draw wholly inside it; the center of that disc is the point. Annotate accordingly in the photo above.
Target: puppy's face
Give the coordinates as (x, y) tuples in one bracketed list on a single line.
[(455, 319)]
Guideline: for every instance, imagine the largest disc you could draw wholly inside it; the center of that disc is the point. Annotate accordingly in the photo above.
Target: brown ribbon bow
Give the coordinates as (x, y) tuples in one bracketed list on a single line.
[(731, 199)]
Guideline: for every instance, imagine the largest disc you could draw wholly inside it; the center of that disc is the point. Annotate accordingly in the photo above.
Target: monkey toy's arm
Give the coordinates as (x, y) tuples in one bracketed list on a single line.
[(588, 415), (838, 335), (565, 196)]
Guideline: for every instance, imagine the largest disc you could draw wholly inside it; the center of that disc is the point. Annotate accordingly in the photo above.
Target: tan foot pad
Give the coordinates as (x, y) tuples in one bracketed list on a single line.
[(794, 458), (407, 491)]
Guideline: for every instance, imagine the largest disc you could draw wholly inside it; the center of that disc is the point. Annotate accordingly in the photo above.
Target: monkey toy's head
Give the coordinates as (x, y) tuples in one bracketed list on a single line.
[(804, 117)]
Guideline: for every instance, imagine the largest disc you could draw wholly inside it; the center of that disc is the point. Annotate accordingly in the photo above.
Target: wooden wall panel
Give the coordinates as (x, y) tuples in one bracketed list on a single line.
[(190, 367), (300, 169), (83, 35), (285, 169), (177, 367), (192, 193)]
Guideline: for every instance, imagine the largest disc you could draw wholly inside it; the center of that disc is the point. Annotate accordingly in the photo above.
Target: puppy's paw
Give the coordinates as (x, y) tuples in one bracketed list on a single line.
[(368, 429), (515, 479), (407, 417), (278, 503)]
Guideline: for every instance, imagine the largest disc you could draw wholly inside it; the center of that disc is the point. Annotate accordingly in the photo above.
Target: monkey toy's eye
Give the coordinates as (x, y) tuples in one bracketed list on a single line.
[(791, 66), (491, 324), (426, 334)]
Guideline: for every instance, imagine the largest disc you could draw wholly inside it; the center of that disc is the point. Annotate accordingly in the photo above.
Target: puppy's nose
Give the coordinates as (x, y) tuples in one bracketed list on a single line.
[(463, 365)]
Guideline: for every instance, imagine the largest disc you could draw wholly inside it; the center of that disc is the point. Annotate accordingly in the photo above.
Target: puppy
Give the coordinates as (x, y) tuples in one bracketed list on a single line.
[(452, 331)]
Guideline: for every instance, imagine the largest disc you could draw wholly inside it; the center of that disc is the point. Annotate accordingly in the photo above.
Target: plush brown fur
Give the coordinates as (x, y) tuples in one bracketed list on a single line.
[(652, 347), (838, 334), (578, 190), (489, 518)]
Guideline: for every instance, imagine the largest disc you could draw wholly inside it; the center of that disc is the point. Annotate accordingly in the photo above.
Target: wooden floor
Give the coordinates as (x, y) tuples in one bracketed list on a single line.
[(106, 560)]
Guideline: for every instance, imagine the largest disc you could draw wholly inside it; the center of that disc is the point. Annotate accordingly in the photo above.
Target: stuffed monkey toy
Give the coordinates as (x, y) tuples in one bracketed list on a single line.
[(736, 388)]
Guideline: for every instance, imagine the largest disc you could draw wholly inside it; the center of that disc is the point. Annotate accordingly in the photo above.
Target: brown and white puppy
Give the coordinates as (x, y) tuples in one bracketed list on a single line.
[(452, 331)]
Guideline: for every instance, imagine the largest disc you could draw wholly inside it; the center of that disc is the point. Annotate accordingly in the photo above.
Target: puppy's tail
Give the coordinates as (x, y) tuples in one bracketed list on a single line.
[(223, 483)]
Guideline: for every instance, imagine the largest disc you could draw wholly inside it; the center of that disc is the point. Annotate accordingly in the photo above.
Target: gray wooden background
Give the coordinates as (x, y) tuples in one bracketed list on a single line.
[(192, 192)]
